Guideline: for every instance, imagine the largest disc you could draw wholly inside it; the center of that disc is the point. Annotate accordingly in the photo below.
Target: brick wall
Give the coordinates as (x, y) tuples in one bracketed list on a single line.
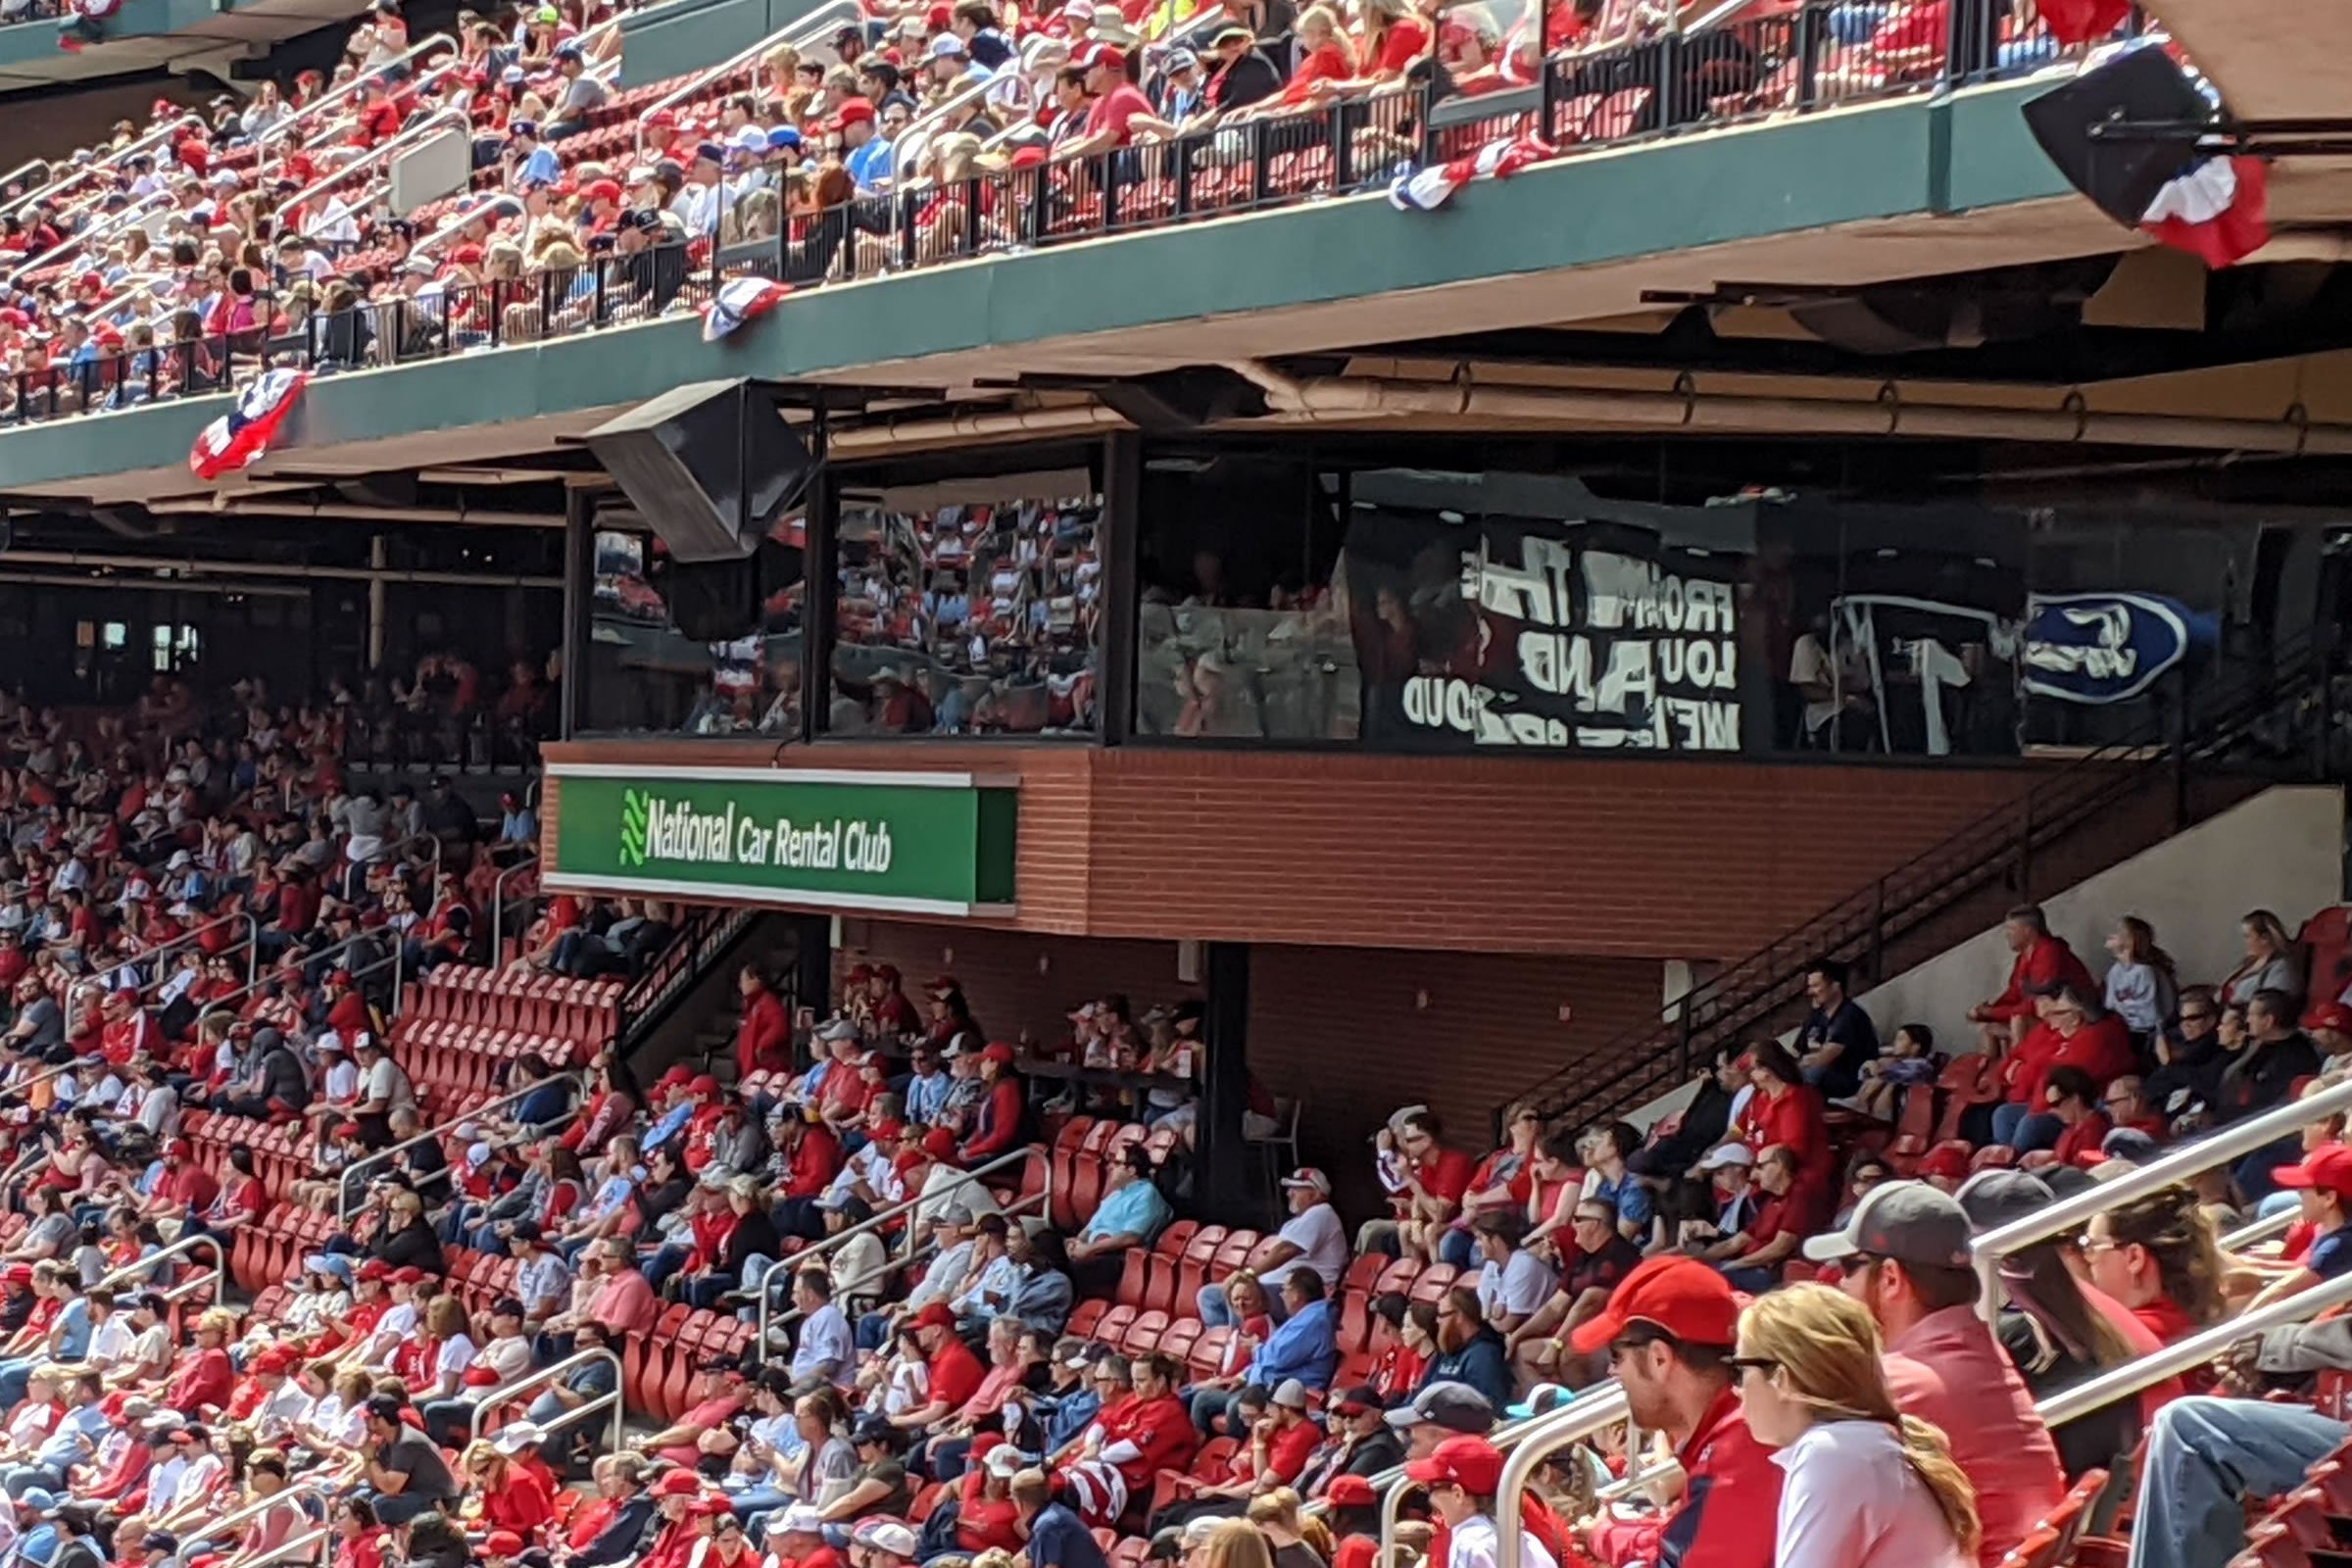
[(1472, 854)]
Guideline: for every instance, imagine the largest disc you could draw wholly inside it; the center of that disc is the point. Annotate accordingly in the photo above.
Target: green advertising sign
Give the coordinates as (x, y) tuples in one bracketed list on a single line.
[(915, 843)]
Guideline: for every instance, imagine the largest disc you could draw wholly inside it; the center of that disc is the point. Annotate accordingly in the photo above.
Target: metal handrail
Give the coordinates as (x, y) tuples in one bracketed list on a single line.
[(336, 135), (350, 89), (103, 227), (2259, 1232), (830, 17), (907, 148), (230, 1001), (253, 960), (194, 1239), (505, 1393), (497, 905), (785, 1270), (2122, 1382), (2063, 1216), (380, 152), (79, 171), (343, 1205), (482, 209), (300, 1545), (1595, 1408), (295, 1489)]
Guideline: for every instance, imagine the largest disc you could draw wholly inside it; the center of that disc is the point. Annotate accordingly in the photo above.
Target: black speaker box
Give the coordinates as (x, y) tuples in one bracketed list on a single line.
[(707, 466), (2122, 174)]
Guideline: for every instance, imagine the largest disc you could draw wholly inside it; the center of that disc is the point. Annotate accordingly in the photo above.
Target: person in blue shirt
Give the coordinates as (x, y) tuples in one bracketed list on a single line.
[(2322, 1183), (533, 164), (868, 150), (39, 1538), (1131, 1214), (74, 1440), (1056, 1536), (1306, 1347), (926, 1087)]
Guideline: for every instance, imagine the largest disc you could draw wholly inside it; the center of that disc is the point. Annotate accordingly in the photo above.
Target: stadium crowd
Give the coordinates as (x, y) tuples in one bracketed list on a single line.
[(187, 253), (928, 1296)]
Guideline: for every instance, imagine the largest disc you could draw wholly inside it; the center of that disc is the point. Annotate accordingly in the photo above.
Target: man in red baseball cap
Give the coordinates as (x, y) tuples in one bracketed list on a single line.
[(1669, 1329)]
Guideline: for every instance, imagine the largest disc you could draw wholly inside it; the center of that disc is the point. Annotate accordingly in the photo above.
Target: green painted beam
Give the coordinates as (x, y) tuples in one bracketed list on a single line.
[(1855, 165), (685, 36)]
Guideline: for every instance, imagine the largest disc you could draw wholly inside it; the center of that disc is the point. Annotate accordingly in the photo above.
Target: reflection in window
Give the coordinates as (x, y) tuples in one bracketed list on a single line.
[(968, 619), (711, 648)]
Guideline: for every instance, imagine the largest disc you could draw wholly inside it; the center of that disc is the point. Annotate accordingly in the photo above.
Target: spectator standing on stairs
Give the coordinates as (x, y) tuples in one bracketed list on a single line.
[(997, 1118), (763, 1040)]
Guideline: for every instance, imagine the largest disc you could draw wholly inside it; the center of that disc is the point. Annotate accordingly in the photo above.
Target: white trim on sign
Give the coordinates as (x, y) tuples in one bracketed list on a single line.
[(620, 774), (563, 881)]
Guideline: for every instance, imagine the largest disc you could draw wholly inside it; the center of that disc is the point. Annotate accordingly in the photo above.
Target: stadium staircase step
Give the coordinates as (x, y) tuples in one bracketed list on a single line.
[(2241, 732)]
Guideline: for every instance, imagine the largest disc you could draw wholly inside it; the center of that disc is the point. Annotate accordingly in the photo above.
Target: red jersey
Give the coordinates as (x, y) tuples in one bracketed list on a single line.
[(1729, 1513), (1161, 1430)]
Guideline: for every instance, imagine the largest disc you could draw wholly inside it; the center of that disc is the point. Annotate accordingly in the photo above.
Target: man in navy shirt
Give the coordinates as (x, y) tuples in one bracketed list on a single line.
[(1056, 1539), (1837, 1036)]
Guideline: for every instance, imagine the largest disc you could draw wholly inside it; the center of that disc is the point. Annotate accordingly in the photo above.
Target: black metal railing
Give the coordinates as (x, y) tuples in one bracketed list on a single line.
[(2283, 715), (705, 935), (1825, 55)]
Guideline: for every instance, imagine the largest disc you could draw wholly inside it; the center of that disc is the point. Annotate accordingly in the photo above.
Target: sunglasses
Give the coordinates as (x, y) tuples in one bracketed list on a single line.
[(1763, 1366)]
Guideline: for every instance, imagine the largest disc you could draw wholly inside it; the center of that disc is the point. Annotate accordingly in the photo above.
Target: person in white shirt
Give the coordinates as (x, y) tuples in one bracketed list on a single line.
[(1866, 1486), (1462, 1476), (1513, 1282), (1312, 1238)]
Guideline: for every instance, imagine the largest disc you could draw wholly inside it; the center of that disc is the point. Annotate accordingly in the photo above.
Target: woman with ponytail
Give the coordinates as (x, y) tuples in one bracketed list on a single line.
[(1866, 1486)]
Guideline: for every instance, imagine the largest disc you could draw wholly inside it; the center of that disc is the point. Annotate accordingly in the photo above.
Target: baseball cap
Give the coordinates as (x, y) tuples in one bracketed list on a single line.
[(999, 1052), (2329, 1016), (935, 1316), (1357, 1400), (1349, 1492), (1455, 1407), (502, 1543), (1005, 1460), (801, 1519), (946, 46), (893, 1538), (1910, 1222), (677, 1484), (1471, 1463), (1722, 1154), (1308, 1176), (2326, 1169), (1992, 1199), (1679, 1294), (1290, 1393)]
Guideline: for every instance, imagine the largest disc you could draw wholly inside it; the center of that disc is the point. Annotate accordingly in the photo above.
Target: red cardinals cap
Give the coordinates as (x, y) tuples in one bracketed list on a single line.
[(2326, 1169), (1473, 1463), (999, 1052), (1349, 1492), (934, 1316), (1679, 1294), (2329, 1016)]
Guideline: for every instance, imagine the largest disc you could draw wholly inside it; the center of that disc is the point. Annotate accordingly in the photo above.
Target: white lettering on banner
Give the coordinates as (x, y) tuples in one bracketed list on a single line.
[(676, 831), (1652, 660)]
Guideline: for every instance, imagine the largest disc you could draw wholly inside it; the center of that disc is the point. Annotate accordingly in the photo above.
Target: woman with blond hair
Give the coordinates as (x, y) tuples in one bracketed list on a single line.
[(1236, 1543), (1297, 1540), (1866, 1486)]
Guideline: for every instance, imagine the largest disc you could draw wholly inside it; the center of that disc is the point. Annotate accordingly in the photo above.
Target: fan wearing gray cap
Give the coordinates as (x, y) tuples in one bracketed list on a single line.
[(1441, 1410), (1906, 1255), (2057, 1331)]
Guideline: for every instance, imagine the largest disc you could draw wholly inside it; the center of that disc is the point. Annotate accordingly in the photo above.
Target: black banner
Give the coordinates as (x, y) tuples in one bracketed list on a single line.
[(1585, 636)]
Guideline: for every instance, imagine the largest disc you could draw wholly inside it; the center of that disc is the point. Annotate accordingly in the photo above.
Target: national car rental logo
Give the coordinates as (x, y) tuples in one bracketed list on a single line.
[(633, 816)]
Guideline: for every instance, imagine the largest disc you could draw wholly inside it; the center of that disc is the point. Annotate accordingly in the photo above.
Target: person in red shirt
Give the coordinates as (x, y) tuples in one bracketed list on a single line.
[(2125, 1102), (892, 1012), (205, 1378), (956, 1373), (1435, 1180), (1906, 1249), (986, 1517), (512, 1498), (1794, 1209), (184, 1190), (1129, 1444), (1119, 113), (2073, 1101), (764, 1039), (1669, 1329), (811, 1159), (996, 1125), (347, 1012), (2043, 964), (1787, 1113), (2156, 1255)]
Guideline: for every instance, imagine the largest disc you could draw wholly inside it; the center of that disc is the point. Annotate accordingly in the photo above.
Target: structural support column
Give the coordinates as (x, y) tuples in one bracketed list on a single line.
[(821, 582), (1223, 1191), (579, 605), (377, 559), (1123, 529), (812, 962)]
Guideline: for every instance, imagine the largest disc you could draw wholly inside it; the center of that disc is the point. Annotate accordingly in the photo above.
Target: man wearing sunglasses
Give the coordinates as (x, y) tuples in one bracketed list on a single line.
[(1906, 1255), (1669, 1329)]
